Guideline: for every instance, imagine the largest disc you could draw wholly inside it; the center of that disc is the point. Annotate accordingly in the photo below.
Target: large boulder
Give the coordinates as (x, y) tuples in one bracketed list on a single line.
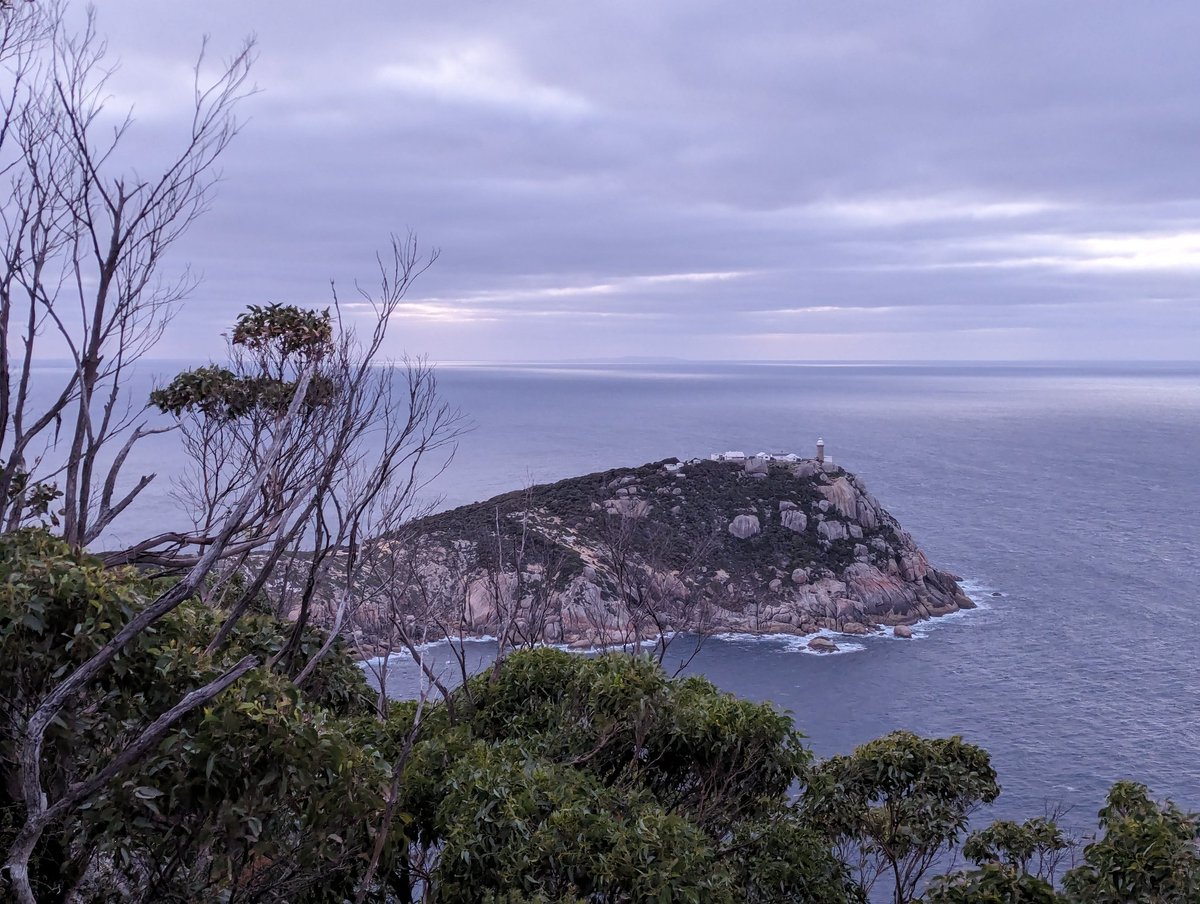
[(628, 507), (844, 497), (902, 631), (795, 520), (878, 593), (832, 530), (870, 514), (805, 469), (486, 597), (913, 565), (745, 526)]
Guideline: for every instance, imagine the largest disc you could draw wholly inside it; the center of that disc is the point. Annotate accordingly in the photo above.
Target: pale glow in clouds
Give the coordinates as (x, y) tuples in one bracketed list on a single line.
[(479, 73), (617, 286), (1167, 253), (493, 305), (999, 179), (885, 211)]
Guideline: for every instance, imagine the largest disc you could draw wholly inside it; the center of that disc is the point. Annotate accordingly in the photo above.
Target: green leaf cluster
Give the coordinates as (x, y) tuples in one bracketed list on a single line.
[(1146, 853), (1149, 853), (218, 393), (285, 329)]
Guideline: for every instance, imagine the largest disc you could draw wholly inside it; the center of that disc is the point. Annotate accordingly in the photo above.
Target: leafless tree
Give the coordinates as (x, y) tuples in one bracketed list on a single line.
[(376, 434), (392, 797), (650, 564), (318, 493), (84, 242), (422, 599), (524, 578)]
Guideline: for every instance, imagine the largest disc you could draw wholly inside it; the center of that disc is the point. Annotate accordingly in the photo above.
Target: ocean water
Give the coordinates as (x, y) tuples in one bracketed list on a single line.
[(1068, 497), (1072, 492)]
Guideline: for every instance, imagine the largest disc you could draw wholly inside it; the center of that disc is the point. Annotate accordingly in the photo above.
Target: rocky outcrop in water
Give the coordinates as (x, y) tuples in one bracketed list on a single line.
[(704, 545)]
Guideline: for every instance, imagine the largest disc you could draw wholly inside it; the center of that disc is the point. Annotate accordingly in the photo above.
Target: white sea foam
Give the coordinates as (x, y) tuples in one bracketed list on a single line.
[(978, 591), (980, 594), (797, 643), (405, 653)]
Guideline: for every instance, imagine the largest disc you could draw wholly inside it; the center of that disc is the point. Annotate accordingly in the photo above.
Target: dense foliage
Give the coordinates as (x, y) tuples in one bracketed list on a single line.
[(264, 776), (278, 336), (552, 778)]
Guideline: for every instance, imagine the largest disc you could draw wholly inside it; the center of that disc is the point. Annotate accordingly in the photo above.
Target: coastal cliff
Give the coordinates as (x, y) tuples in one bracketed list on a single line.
[(712, 546)]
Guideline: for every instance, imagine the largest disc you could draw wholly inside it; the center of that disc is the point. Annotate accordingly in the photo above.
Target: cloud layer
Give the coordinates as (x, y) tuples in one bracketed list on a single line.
[(696, 179)]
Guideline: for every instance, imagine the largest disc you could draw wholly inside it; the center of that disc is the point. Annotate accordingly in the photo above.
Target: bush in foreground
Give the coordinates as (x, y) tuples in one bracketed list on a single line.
[(552, 778)]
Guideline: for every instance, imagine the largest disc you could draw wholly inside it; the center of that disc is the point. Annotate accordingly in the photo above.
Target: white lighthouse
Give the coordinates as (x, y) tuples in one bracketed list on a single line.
[(820, 449)]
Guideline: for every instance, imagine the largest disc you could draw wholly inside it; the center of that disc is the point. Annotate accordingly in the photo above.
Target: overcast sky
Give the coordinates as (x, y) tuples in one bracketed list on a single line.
[(955, 180)]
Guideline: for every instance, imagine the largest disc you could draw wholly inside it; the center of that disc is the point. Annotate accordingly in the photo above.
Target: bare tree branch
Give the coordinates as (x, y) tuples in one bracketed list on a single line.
[(83, 246)]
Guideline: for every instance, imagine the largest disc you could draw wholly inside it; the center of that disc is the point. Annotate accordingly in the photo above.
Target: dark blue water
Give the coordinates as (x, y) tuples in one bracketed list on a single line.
[(1073, 491)]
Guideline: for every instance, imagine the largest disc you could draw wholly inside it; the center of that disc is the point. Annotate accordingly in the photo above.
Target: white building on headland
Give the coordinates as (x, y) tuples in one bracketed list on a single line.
[(783, 457)]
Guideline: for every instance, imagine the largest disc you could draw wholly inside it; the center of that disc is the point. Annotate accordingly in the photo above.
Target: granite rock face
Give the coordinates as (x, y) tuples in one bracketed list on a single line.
[(700, 545)]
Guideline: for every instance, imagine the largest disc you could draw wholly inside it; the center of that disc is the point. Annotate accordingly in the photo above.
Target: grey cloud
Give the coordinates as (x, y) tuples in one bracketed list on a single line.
[(885, 177)]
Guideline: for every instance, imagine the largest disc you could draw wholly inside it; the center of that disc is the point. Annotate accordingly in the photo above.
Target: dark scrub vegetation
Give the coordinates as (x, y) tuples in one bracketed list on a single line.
[(555, 777)]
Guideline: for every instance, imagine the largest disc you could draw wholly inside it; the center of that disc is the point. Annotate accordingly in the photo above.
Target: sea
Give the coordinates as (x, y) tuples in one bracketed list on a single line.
[(1067, 497)]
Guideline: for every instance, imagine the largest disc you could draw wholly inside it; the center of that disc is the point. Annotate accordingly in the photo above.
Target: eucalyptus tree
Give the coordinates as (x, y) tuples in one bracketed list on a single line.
[(898, 803), (1016, 863), (1147, 853)]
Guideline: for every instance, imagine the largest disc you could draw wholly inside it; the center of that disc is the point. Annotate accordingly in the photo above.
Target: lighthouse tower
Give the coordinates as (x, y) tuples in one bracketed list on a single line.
[(820, 449)]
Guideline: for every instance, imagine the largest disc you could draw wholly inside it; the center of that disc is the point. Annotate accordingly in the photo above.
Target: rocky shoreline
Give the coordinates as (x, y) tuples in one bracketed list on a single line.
[(611, 559)]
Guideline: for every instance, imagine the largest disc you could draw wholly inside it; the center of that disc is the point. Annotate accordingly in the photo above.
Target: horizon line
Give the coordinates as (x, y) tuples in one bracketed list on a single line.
[(659, 360)]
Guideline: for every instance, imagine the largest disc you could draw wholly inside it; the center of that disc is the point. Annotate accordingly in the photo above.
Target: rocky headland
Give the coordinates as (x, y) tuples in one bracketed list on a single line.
[(622, 556)]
